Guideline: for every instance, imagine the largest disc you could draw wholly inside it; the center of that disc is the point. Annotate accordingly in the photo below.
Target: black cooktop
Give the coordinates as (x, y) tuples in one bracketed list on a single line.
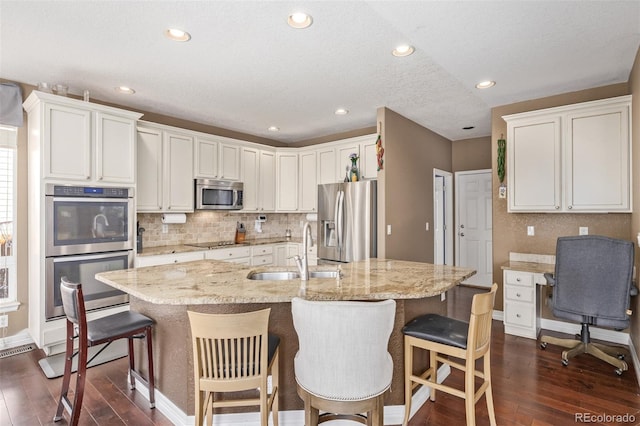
[(215, 244)]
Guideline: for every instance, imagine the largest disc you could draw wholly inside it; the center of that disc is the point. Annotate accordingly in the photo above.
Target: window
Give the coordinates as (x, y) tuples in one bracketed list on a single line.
[(8, 290)]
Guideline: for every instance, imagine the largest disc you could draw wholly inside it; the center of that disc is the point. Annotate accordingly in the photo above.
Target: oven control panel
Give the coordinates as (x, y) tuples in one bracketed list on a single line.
[(87, 191)]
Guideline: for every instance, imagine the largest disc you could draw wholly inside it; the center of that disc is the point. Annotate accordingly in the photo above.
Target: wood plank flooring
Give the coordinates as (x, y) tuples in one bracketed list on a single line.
[(530, 385)]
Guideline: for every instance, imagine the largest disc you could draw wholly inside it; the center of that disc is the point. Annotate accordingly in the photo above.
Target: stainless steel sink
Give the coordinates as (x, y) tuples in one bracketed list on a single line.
[(279, 275), (323, 274), (288, 275)]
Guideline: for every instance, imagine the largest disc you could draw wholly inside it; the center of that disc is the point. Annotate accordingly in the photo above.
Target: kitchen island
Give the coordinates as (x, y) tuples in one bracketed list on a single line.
[(165, 293)]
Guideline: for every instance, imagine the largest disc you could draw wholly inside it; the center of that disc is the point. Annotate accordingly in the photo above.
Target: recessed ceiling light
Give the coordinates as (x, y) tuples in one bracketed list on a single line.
[(468, 127), (341, 111), (273, 128), (299, 20), (403, 50), (177, 35), (125, 90), (485, 84)]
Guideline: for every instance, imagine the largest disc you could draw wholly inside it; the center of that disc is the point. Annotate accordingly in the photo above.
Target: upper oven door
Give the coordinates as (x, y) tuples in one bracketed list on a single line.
[(88, 225)]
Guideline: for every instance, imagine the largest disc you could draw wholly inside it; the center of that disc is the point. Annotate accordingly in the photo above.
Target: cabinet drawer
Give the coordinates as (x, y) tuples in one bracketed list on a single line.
[(167, 259), (267, 259), (228, 253), (518, 293), (518, 278), (520, 314), (261, 250)]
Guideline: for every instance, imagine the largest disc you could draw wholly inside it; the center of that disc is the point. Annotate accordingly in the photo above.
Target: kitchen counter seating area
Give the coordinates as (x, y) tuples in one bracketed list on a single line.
[(165, 293)]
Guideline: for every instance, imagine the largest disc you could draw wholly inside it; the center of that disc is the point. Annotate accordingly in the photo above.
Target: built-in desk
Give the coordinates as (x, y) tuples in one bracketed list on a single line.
[(522, 301)]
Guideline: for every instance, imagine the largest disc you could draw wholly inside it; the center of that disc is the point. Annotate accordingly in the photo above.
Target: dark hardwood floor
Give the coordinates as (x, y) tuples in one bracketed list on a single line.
[(530, 385)]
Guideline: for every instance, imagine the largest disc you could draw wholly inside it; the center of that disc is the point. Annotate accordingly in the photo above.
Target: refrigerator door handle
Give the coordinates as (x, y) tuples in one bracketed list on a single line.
[(336, 210), (339, 224)]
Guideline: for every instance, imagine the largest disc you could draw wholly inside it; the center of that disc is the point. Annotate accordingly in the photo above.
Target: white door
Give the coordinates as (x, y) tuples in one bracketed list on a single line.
[(473, 212), (442, 217)]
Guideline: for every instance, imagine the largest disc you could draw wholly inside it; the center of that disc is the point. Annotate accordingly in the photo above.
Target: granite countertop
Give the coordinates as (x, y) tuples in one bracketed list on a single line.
[(534, 267), (218, 282), (185, 248)]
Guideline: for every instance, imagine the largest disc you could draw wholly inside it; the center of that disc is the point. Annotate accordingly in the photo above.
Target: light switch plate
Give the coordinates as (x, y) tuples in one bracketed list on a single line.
[(531, 231), (388, 229), (583, 230)]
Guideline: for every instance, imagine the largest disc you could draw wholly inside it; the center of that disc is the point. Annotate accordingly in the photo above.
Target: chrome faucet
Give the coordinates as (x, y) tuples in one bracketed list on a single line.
[(301, 262)]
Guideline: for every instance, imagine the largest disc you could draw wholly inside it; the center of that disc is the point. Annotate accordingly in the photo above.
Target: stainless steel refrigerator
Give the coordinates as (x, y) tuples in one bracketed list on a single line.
[(347, 221)]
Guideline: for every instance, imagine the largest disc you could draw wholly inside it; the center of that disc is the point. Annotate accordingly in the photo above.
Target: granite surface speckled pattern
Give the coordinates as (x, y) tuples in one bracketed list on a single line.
[(217, 282), (185, 248), (539, 268)]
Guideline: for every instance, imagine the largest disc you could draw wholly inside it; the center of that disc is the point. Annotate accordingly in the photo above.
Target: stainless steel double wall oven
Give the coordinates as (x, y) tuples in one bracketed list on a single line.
[(87, 230)]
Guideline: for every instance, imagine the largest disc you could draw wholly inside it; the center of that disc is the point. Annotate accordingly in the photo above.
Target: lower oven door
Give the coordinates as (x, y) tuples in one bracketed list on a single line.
[(82, 269)]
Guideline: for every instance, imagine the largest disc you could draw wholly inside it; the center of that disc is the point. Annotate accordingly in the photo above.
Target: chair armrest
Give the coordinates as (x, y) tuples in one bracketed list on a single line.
[(550, 279)]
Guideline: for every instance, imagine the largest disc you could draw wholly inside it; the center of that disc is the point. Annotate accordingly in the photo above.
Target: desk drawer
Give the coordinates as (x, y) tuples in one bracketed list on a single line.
[(519, 293), (518, 278), (520, 314)]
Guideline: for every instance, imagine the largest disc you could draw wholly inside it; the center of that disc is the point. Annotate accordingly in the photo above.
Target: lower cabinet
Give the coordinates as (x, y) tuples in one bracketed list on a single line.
[(241, 255), (521, 303), (262, 255), (167, 259)]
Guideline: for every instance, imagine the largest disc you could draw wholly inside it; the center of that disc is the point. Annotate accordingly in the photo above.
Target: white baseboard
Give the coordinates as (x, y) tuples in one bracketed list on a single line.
[(596, 333), (635, 359), (21, 338), (393, 414)]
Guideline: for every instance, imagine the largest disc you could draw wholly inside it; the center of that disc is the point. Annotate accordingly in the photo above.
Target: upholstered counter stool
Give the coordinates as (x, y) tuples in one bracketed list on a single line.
[(343, 366), (233, 353), (130, 325), (458, 339)]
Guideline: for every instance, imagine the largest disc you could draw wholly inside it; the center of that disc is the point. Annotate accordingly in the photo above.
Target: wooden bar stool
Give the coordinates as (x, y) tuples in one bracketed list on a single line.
[(130, 325), (447, 336), (232, 353)]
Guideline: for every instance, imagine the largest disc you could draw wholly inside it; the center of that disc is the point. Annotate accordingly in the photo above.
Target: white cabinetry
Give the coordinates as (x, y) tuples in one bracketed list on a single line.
[(284, 254), (327, 166), (575, 158), (521, 303), (262, 255), (307, 181), (165, 177), (369, 158), (216, 157), (167, 259), (82, 142), (241, 255), (258, 176), (287, 181)]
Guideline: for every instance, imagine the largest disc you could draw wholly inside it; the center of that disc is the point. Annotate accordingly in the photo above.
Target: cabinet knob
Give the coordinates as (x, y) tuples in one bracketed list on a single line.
[(518, 315), (557, 207), (570, 207), (518, 294), (518, 279)]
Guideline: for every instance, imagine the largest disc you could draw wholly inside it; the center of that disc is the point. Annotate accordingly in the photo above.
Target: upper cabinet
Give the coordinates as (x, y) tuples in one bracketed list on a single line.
[(258, 176), (80, 141), (287, 181), (307, 181), (165, 174), (216, 157), (575, 158)]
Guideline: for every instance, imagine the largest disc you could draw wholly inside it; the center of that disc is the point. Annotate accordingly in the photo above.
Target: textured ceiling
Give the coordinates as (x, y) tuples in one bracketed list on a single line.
[(245, 69)]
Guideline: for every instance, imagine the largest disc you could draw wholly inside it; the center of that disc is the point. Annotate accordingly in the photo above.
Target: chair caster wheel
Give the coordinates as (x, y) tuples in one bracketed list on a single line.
[(543, 345), (565, 362), (618, 371), (620, 356)]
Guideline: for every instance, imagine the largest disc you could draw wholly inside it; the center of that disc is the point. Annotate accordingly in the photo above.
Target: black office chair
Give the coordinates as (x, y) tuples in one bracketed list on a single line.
[(128, 324), (592, 285)]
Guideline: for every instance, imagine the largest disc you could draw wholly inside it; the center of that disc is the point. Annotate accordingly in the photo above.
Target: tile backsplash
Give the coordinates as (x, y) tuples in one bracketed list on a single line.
[(208, 226)]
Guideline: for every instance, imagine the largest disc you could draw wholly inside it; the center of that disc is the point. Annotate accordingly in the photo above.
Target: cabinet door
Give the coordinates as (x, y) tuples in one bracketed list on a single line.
[(308, 195), (67, 143), (342, 156), (229, 162), (205, 160), (327, 166), (368, 160), (149, 170), (178, 179), (597, 175), (267, 181), (534, 164), (115, 148), (287, 181), (250, 164)]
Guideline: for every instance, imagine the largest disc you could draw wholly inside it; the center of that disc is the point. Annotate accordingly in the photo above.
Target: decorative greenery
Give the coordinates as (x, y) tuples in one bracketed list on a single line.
[(501, 149)]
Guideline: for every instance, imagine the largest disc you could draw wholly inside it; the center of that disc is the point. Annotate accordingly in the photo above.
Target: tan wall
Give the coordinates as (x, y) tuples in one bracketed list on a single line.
[(634, 85), (471, 154), (510, 229), (411, 153)]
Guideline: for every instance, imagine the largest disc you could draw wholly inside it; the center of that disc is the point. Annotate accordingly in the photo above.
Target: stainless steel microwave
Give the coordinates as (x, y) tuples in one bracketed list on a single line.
[(214, 194)]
